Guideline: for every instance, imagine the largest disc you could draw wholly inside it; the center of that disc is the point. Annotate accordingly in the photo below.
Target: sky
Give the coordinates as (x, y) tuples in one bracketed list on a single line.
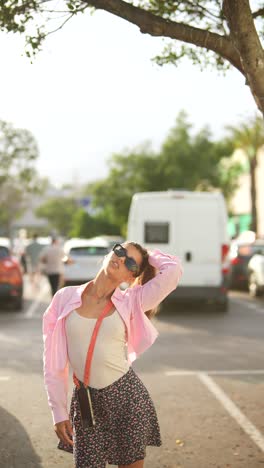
[(94, 91)]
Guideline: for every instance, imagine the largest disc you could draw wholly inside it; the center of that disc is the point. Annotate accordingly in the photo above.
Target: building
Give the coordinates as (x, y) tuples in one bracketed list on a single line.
[(240, 204), (29, 221)]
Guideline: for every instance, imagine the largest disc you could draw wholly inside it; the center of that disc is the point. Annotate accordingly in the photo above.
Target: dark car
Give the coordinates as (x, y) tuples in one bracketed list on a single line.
[(11, 279), (240, 254)]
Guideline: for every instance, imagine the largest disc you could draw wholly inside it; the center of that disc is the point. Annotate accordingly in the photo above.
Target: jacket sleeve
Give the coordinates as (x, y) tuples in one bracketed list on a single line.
[(169, 271), (56, 382)]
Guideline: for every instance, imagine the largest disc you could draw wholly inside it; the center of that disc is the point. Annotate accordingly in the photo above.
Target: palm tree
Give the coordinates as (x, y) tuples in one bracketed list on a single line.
[(249, 137)]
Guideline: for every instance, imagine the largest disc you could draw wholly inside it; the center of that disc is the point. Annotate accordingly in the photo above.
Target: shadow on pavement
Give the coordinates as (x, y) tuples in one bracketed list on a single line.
[(16, 450)]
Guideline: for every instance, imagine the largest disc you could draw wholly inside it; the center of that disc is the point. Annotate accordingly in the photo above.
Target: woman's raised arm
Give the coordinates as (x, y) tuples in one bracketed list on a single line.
[(169, 271)]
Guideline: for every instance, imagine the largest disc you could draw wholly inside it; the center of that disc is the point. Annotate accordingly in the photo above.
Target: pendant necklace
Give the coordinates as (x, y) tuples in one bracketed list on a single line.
[(98, 298)]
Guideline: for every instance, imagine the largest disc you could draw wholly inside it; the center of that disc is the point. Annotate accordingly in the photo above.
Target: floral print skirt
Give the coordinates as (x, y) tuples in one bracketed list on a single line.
[(125, 423)]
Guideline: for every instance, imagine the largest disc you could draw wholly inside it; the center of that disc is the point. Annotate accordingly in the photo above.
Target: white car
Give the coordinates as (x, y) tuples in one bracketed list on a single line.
[(5, 242), (83, 259), (256, 274)]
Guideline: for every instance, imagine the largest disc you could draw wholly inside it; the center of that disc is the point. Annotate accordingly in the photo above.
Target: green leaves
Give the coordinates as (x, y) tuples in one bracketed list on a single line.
[(248, 136), (74, 6), (18, 152), (131, 172), (59, 212), (18, 176), (86, 225), (35, 19), (186, 161), (191, 161), (198, 28), (16, 14)]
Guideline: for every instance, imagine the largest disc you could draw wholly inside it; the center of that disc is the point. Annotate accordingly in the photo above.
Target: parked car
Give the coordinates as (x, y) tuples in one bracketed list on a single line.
[(240, 255), (11, 279), (83, 258), (256, 273)]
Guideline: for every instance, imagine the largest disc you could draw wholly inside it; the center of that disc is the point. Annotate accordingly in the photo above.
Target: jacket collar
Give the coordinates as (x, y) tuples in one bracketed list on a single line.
[(117, 294), (79, 290), (76, 298)]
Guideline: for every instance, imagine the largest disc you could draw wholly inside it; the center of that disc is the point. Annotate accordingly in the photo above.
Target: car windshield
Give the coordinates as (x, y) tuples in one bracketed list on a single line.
[(88, 251), (4, 252), (248, 250)]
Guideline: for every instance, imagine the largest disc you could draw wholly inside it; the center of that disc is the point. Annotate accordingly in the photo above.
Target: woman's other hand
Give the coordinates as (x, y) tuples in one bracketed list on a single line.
[(63, 429)]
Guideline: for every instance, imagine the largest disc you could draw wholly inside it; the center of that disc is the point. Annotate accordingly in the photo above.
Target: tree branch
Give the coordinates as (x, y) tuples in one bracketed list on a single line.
[(258, 13), (149, 23), (61, 26), (246, 40)]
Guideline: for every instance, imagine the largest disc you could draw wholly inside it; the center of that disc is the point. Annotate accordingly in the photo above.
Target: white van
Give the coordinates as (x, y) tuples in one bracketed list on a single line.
[(192, 225)]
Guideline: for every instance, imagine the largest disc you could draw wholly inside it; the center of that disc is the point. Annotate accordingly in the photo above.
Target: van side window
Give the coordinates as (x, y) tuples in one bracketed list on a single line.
[(156, 233)]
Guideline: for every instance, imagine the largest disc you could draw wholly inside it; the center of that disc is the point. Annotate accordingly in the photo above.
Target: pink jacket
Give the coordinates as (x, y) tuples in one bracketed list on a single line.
[(131, 305)]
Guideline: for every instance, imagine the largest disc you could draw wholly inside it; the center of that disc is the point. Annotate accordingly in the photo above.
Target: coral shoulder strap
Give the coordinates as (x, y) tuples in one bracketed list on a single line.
[(89, 355)]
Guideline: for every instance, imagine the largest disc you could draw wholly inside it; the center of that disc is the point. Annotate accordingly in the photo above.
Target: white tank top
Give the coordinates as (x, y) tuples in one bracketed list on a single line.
[(109, 361)]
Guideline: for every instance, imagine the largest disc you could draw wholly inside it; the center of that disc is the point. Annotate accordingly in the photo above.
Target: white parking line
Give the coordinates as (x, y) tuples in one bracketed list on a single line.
[(9, 339), (227, 403), (233, 410), (4, 378), (30, 312), (249, 305)]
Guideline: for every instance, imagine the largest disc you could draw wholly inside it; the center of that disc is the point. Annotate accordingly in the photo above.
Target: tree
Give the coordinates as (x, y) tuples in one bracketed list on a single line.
[(195, 161), (249, 136), (224, 33), (60, 213), (86, 226), (191, 162), (133, 171), (18, 176)]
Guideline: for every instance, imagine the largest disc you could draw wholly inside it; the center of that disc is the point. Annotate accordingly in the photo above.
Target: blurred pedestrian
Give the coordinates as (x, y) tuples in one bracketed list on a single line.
[(112, 416), (52, 258), (33, 251), (19, 248)]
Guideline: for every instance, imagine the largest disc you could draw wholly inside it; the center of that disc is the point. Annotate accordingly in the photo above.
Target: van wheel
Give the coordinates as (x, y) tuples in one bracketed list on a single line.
[(253, 286), (222, 306)]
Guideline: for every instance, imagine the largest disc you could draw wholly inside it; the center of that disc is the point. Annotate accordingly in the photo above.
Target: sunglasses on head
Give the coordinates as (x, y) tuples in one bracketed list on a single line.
[(130, 263)]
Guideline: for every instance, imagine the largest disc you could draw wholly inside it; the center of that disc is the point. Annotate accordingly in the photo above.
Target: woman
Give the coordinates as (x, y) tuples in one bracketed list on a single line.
[(125, 417)]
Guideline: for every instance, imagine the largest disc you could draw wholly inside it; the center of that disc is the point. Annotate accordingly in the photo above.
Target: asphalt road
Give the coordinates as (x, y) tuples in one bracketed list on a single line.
[(205, 374)]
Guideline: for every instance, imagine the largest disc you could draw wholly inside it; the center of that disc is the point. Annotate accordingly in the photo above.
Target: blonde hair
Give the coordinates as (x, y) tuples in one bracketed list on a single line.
[(146, 273)]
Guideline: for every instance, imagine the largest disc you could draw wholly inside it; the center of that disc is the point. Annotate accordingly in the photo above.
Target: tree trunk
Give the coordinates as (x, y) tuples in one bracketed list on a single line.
[(246, 40), (253, 193)]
